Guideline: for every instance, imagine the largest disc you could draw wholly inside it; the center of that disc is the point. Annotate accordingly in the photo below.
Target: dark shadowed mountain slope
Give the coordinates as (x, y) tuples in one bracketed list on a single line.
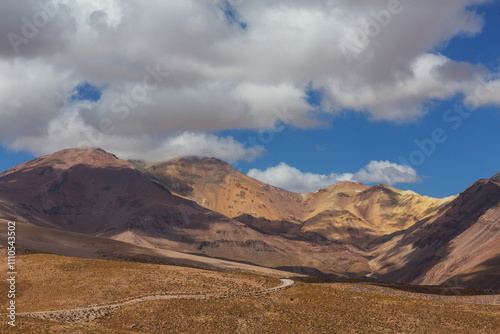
[(459, 245)]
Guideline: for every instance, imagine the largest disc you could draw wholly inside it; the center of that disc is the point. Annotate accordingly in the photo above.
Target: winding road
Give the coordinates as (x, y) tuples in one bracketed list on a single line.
[(85, 314)]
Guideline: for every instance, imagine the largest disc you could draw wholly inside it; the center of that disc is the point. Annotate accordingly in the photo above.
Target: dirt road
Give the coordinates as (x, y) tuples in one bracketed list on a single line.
[(86, 314)]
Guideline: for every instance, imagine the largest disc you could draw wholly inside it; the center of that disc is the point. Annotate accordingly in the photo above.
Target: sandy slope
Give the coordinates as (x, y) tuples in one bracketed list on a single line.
[(81, 245)]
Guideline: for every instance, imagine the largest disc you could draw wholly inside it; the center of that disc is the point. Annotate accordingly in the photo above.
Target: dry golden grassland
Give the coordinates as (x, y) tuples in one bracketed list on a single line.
[(48, 282), (51, 282), (306, 308)]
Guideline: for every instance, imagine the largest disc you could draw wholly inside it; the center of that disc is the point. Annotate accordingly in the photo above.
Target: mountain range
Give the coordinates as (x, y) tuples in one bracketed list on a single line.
[(203, 206)]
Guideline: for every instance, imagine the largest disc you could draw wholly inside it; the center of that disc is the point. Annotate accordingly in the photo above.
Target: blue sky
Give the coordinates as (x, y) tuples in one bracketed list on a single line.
[(231, 66), (470, 153)]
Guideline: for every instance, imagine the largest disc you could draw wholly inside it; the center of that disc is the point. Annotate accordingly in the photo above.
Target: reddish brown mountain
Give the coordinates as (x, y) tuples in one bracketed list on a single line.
[(204, 206), (93, 192)]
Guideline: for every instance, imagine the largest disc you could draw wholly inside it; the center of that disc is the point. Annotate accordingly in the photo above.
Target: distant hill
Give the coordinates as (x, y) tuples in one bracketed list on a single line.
[(347, 211)]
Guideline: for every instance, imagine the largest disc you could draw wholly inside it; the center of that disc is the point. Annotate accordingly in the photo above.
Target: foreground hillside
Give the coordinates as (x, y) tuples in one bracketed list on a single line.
[(98, 282), (48, 281)]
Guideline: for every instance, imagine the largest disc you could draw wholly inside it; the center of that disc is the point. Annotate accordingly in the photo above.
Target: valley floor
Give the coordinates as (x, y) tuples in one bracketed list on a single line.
[(50, 282)]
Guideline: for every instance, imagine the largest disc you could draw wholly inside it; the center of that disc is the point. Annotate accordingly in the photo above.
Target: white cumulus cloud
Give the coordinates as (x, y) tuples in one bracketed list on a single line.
[(386, 172), (230, 64), (69, 130), (291, 178)]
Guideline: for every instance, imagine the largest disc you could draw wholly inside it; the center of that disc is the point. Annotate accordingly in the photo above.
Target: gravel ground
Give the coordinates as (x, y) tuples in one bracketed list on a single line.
[(372, 288)]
